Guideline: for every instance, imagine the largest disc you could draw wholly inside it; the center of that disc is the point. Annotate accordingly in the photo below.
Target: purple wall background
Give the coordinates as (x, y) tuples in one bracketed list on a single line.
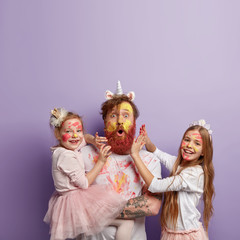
[(180, 57)]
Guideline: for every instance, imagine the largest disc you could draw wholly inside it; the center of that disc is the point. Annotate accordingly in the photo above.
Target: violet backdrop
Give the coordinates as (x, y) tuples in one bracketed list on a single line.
[(180, 57)]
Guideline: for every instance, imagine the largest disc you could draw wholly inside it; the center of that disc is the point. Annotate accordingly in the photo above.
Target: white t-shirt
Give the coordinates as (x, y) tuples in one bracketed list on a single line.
[(189, 183), (121, 173)]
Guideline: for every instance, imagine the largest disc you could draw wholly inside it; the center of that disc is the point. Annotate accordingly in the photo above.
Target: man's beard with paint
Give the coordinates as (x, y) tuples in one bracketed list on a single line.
[(121, 144)]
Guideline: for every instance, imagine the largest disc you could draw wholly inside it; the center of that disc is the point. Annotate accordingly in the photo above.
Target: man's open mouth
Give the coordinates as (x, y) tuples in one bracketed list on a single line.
[(120, 132)]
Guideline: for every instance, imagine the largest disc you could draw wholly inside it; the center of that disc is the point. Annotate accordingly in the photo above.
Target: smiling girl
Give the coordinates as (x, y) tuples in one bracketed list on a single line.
[(191, 177), (77, 207)]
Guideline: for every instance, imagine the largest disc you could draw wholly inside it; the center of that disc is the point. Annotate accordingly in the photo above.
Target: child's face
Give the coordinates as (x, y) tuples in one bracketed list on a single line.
[(71, 134), (191, 147)]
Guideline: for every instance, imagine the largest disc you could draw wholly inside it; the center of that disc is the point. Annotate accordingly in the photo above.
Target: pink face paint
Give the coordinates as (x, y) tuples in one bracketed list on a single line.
[(183, 145), (75, 124), (65, 137), (184, 156), (197, 136)]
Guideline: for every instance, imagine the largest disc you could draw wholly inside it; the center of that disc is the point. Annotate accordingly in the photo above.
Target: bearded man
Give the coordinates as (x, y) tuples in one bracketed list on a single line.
[(119, 114)]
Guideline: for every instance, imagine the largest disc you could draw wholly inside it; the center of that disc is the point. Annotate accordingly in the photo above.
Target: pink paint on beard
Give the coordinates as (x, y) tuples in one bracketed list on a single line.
[(118, 145), (65, 137)]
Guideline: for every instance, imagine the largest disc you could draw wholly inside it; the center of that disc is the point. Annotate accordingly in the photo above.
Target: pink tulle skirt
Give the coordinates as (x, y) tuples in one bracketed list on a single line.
[(196, 234), (85, 211)]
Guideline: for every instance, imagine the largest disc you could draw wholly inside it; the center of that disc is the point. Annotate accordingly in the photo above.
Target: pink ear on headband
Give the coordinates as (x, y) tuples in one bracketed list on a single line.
[(119, 91), (131, 95), (108, 95)]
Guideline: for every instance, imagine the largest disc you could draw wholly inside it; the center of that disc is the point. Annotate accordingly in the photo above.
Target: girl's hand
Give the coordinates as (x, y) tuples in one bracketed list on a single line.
[(138, 144), (104, 153), (149, 145), (144, 132), (99, 141)]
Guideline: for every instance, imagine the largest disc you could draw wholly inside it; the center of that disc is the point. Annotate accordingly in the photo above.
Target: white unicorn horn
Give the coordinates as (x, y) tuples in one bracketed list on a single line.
[(119, 90)]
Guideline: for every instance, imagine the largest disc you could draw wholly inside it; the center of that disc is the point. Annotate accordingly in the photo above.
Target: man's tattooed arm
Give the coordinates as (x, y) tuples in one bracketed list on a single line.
[(146, 205)]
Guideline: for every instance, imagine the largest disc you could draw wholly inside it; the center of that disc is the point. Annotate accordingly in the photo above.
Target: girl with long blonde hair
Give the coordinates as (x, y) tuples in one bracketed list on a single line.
[(191, 177)]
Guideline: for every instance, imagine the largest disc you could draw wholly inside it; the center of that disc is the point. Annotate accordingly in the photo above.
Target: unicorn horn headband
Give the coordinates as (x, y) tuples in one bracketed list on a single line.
[(119, 91)]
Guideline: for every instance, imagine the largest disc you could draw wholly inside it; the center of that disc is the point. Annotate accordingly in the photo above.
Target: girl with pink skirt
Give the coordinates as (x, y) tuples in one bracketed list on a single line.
[(77, 207)]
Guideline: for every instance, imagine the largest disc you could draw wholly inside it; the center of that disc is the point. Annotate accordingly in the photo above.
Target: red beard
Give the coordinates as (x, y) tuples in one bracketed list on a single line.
[(121, 145)]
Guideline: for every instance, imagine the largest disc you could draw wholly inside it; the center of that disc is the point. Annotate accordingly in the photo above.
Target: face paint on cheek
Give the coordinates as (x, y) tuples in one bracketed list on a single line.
[(65, 137), (195, 149), (183, 145), (111, 126), (126, 125)]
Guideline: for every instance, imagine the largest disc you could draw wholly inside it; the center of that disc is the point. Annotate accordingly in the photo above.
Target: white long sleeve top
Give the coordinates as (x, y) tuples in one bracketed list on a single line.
[(68, 170), (189, 183)]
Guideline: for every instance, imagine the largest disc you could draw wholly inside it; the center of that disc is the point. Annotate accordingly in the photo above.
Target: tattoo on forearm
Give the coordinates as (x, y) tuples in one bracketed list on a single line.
[(157, 196), (136, 207), (131, 214)]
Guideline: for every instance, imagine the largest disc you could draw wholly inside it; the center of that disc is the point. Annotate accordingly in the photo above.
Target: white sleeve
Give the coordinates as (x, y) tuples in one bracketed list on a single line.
[(165, 158), (155, 167), (69, 165), (190, 179)]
